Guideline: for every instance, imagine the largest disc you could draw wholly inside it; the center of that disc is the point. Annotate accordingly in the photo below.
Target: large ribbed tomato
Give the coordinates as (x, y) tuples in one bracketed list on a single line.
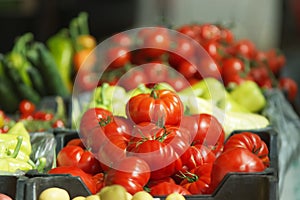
[(250, 141), (160, 106)]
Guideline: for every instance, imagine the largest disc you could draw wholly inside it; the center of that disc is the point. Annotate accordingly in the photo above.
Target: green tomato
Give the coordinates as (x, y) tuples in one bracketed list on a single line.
[(113, 192), (54, 193), (142, 195)]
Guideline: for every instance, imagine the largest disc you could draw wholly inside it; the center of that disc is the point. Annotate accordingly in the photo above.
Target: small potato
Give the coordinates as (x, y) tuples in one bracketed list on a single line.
[(175, 196), (142, 195), (54, 193), (79, 198), (93, 197)]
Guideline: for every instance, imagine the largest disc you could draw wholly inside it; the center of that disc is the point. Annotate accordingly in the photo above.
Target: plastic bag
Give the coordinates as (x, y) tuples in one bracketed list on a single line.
[(286, 122)]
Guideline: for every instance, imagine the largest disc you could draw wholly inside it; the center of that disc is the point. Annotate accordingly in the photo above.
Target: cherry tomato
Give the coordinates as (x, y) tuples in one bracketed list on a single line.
[(58, 124), (209, 32), (233, 71), (119, 56), (26, 107), (187, 69), (290, 87), (122, 39), (133, 78), (156, 72), (244, 48), (214, 49), (42, 115)]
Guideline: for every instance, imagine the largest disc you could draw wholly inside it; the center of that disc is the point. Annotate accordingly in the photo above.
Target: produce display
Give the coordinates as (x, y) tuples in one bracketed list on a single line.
[(174, 114)]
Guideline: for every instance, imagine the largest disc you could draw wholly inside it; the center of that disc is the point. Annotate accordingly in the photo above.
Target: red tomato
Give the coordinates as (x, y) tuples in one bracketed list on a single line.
[(182, 52), (118, 56), (133, 173), (276, 60), (233, 71), (42, 115), (76, 142), (99, 181), (157, 42), (133, 78), (122, 39), (156, 72), (250, 141), (78, 157), (209, 32), (209, 68), (244, 48), (188, 30), (290, 87), (214, 49), (26, 107), (234, 160), (260, 75), (187, 69), (58, 124), (162, 106), (91, 119), (206, 130), (152, 183), (75, 171), (178, 82), (197, 181), (197, 155), (226, 35), (154, 152), (166, 188)]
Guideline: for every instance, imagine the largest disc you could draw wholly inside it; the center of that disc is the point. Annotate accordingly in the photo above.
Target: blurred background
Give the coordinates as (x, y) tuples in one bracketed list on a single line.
[(268, 23)]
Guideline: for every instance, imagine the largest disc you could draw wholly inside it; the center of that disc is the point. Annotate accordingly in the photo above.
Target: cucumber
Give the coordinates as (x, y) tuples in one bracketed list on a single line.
[(43, 60)]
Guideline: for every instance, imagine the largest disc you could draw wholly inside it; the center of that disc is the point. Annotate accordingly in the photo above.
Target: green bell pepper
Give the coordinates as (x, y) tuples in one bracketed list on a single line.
[(249, 95)]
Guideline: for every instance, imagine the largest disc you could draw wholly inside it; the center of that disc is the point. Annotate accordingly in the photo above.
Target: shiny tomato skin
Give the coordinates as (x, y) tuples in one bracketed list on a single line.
[(166, 188), (156, 72), (197, 180), (133, 173), (197, 155), (118, 56), (162, 106), (251, 142), (234, 160), (290, 87), (187, 69), (78, 157), (205, 130), (26, 107), (245, 48), (154, 152), (132, 79)]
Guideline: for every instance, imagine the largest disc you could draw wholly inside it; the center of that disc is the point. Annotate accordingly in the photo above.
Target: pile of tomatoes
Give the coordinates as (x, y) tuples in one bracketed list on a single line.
[(231, 60), (158, 147)]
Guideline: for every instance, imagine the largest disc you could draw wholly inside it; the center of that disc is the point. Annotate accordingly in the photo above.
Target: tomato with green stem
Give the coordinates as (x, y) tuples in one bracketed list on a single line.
[(26, 107), (162, 106), (197, 180)]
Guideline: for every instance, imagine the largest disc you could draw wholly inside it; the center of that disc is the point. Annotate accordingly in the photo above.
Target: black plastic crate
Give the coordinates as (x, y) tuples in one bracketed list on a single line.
[(31, 188), (8, 185), (234, 186)]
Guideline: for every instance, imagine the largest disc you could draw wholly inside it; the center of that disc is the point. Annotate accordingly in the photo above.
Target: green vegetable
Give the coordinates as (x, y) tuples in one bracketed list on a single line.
[(61, 47), (249, 95), (43, 60), (110, 97), (213, 90), (9, 101), (12, 165), (230, 120)]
